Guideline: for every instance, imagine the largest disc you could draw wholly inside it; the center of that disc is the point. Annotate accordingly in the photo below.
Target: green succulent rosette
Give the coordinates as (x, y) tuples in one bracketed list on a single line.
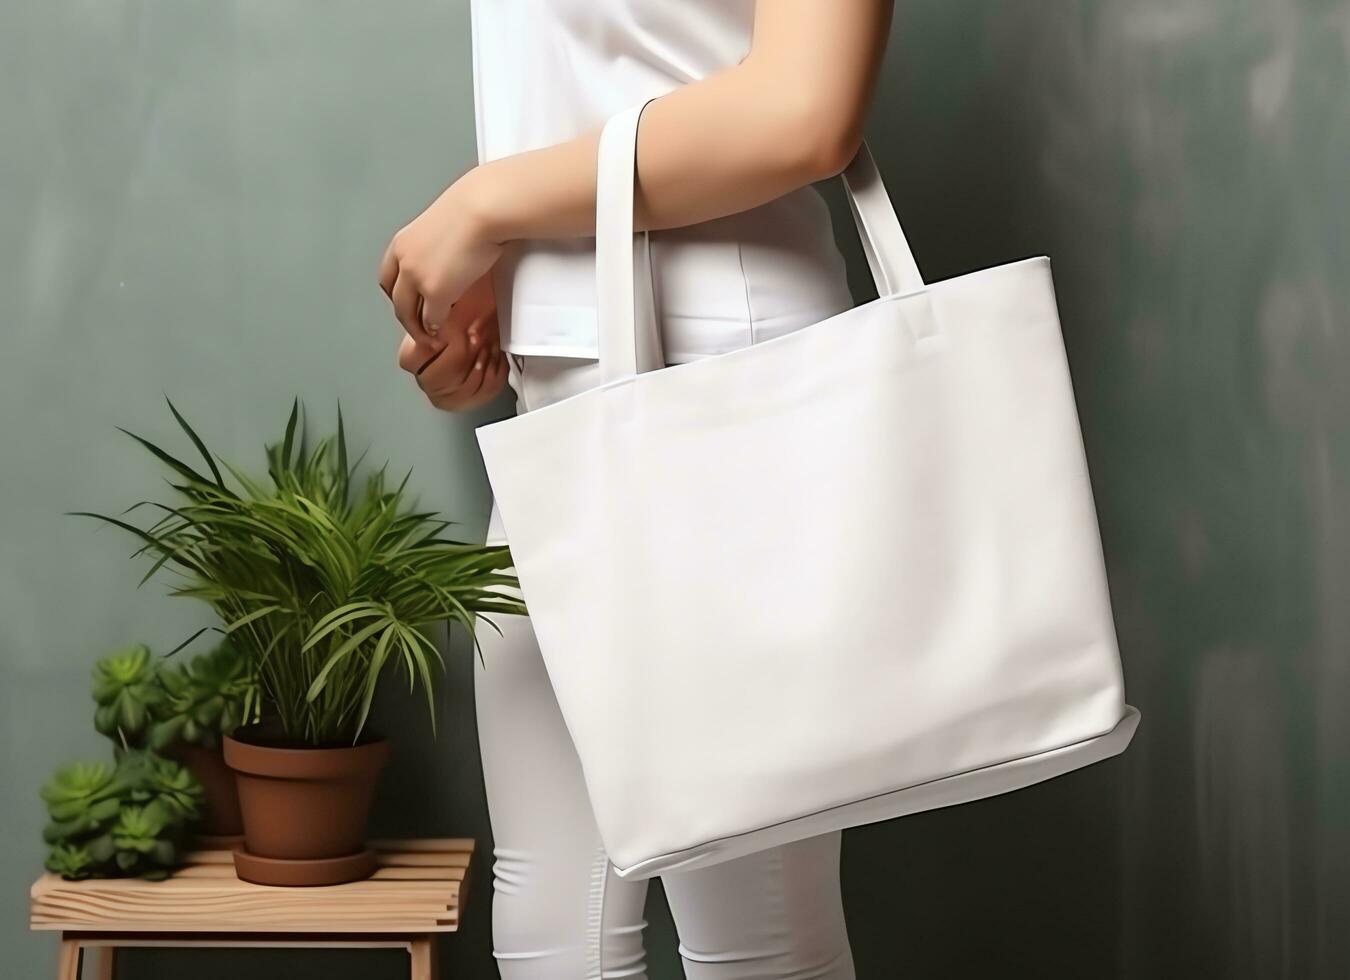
[(118, 821), (71, 861), (151, 778), (203, 699), (127, 693), (142, 843), (82, 799)]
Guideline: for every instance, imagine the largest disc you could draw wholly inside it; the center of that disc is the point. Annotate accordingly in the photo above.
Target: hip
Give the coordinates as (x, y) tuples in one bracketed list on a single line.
[(717, 286), (539, 380)]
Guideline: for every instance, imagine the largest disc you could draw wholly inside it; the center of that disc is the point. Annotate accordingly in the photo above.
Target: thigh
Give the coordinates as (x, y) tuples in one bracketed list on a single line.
[(775, 913), (558, 908)]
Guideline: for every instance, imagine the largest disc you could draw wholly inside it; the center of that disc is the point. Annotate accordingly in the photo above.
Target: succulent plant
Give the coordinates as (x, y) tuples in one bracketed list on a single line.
[(126, 818), (204, 699), (118, 821), (127, 691), (141, 842), (70, 861), (153, 779), (82, 799)]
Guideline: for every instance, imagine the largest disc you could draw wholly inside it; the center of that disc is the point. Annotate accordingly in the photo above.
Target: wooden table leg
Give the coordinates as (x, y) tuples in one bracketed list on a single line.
[(107, 961), (423, 955), (68, 959)]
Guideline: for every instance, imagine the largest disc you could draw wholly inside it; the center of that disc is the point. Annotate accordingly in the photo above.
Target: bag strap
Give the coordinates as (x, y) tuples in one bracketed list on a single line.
[(889, 256), (628, 338), (617, 318)]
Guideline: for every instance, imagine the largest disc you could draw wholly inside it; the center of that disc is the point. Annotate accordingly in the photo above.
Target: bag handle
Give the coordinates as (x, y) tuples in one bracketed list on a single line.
[(628, 338)]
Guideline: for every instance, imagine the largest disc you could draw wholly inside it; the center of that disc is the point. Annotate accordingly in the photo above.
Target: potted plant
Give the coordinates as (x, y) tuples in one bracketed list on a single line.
[(127, 692), (204, 700), (180, 711), (122, 820), (325, 584)]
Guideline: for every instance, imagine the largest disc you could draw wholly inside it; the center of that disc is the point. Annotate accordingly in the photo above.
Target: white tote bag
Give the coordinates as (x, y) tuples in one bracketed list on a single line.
[(843, 575)]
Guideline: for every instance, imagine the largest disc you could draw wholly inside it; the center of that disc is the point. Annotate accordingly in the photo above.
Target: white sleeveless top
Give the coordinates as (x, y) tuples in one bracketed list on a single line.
[(547, 70)]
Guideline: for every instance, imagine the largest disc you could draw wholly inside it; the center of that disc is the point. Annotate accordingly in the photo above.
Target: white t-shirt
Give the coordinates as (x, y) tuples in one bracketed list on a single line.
[(547, 70)]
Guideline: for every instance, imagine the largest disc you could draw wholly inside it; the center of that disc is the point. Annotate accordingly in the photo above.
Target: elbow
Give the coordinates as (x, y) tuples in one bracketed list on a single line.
[(825, 141), (833, 152)]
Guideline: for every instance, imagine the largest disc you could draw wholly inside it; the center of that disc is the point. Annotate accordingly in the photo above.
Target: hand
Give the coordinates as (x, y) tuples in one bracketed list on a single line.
[(432, 260), (470, 369)]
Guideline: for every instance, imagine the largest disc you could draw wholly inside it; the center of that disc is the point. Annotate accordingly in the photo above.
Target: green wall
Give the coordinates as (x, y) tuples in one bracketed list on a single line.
[(193, 196)]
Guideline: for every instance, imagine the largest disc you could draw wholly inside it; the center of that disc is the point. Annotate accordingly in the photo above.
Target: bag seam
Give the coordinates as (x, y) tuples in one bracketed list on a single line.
[(900, 789), (745, 288)]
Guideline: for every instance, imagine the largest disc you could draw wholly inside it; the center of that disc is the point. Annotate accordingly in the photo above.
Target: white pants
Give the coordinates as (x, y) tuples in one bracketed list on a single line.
[(559, 911)]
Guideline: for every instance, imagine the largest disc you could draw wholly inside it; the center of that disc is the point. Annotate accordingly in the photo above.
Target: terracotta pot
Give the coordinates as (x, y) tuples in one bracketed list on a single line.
[(305, 810), (220, 812)]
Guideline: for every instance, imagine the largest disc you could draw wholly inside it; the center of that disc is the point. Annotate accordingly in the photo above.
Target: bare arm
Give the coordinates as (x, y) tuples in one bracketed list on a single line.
[(790, 113)]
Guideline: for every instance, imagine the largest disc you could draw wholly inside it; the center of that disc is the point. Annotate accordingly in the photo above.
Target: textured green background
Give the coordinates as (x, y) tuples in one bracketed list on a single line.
[(193, 195)]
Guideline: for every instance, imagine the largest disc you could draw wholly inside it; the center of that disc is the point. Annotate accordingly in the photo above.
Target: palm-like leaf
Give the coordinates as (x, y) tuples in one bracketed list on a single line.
[(322, 580)]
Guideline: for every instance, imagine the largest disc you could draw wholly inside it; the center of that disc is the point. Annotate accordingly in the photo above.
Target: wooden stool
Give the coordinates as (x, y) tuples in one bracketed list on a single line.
[(418, 891)]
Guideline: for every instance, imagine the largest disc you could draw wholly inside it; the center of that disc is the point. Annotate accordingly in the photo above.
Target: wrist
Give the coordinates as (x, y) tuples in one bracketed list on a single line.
[(479, 206)]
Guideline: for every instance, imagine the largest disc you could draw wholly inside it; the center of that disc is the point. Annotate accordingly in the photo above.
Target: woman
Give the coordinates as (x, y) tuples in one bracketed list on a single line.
[(494, 284)]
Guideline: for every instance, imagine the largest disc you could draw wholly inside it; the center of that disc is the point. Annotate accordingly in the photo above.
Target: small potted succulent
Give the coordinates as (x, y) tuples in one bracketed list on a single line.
[(180, 711), (204, 700), (127, 818), (127, 692), (325, 583), (118, 820)]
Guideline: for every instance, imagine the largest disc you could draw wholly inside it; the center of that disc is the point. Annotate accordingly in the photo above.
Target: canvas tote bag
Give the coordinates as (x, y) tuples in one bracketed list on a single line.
[(846, 574)]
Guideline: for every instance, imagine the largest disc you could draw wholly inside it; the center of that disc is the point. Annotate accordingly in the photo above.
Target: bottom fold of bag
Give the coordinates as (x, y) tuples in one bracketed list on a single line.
[(976, 784)]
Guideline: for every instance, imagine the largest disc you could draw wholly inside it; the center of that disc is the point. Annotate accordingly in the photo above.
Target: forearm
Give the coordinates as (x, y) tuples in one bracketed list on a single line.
[(789, 114), (705, 150)]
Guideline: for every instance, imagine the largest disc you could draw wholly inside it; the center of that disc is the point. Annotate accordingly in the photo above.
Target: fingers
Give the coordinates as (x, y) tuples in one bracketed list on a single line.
[(407, 299), (412, 357), (448, 371), (486, 379), (459, 317), (494, 374), (436, 313), (439, 371), (388, 270), (443, 384), (467, 312), (494, 379), (452, 350), (484, 331)]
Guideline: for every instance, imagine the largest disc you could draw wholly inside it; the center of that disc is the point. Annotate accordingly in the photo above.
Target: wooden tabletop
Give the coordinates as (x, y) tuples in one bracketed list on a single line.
[(419, 887)]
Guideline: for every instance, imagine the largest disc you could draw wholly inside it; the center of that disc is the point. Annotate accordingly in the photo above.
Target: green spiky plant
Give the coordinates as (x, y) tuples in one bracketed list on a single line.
[(118, 821), (323, 581)]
